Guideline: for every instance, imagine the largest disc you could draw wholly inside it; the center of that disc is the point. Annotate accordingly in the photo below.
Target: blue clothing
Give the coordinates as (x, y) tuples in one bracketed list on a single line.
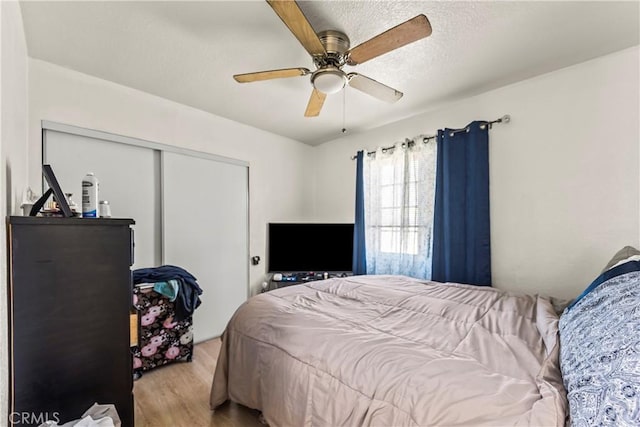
[(187, 298), (169, 288)]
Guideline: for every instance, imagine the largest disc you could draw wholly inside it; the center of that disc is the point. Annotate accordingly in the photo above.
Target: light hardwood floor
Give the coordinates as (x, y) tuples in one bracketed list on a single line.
[(177, 395)]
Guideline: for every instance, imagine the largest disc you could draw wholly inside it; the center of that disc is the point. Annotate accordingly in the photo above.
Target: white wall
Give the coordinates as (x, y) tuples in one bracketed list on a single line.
[(13, 154), (276, 193), (14, 107), (564, 173)]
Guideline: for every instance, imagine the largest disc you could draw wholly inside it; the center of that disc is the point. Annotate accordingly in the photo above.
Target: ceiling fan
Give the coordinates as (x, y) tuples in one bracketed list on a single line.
[(331, 51)]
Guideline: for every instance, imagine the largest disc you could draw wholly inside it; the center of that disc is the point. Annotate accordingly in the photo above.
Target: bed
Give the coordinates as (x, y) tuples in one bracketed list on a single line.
[(396, 351), (391, 350)]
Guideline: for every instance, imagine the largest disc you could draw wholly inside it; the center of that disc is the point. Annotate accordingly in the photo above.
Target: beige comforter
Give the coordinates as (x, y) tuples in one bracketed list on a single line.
[(393, 351)]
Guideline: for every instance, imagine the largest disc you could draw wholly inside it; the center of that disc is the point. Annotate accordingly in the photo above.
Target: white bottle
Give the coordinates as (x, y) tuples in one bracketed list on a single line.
[(90, 196)]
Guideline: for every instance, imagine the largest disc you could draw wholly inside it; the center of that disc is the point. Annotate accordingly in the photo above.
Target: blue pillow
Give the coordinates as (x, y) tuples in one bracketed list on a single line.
[(600, 350)]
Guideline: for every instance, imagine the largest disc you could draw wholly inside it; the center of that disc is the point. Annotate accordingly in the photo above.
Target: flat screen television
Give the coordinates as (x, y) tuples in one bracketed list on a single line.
[(310, 247)]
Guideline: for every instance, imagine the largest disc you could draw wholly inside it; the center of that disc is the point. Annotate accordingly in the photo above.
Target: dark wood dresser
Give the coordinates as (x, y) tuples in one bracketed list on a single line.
[(69, 299)]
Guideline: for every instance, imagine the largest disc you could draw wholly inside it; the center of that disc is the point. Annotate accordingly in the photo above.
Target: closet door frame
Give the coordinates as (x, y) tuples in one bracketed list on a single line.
[(47, 125), (112, 137)]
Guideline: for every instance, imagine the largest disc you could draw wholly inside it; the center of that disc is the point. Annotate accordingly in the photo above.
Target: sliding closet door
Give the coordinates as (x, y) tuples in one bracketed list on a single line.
[(190, 208), (129, 178), (205, 228)]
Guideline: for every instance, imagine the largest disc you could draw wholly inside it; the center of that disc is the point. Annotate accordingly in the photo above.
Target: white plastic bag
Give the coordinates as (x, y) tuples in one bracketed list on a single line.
[(96, 416)]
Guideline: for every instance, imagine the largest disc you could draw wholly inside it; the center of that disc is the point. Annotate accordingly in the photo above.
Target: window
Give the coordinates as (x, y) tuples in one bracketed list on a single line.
[(398, 228), (399, 193)]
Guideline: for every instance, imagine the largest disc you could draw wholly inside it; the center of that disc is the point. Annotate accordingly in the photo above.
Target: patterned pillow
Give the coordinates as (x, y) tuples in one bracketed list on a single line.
[(600, 350)]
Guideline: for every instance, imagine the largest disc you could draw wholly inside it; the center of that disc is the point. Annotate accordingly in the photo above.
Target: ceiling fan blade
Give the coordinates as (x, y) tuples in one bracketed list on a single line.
[(315, 103), (294, 19), (373, 88), (414, 29), (271, 74)]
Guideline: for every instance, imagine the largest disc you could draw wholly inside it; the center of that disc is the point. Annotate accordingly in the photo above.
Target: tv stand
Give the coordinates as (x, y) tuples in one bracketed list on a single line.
[(296, 278)]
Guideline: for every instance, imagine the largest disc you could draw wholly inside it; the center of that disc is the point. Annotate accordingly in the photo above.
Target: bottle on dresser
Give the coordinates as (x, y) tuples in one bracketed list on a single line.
[(90, 196)]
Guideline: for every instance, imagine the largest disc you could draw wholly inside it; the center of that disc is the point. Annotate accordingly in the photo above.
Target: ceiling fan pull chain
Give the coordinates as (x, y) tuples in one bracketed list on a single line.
[(344, 110)]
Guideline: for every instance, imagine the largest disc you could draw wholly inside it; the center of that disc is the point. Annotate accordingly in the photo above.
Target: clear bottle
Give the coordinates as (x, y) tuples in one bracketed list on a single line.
[(105, 209), (90, 196)]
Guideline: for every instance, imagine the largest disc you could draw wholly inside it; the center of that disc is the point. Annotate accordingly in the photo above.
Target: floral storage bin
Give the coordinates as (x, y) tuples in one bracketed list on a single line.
[(161, 339)]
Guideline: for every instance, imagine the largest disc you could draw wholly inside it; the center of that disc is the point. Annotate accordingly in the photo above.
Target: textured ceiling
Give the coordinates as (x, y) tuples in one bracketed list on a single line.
[(188, 52)]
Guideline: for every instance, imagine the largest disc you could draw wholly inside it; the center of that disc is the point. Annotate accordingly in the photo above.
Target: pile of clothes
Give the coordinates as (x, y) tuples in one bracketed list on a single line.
[(175, 283)]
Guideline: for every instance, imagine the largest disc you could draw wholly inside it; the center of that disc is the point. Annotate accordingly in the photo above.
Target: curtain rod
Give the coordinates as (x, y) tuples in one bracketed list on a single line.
[(426, 138)]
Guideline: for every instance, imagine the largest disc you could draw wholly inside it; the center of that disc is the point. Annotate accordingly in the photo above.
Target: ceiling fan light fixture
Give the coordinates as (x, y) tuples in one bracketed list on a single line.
[(329, 80)]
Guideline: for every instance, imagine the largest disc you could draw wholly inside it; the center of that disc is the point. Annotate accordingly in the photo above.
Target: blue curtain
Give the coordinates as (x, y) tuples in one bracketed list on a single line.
[(359, 252), (461, 231)]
